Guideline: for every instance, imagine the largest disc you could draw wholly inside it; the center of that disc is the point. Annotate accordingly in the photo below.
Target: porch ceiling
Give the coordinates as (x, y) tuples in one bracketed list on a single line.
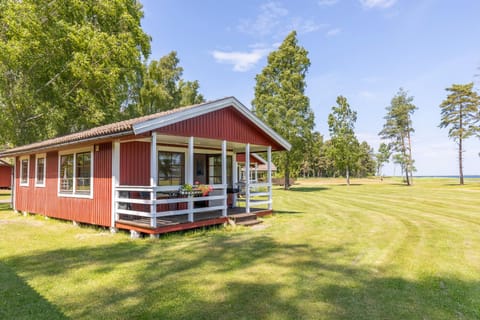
[(208, 143)]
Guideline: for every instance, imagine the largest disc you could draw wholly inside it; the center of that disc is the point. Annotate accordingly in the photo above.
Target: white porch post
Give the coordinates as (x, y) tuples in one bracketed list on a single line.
[(256, 172), (14, 188), (190, 176), (115, 180), (247, 178), (269, 176), (224, 177), (234, 178), (153, 180)]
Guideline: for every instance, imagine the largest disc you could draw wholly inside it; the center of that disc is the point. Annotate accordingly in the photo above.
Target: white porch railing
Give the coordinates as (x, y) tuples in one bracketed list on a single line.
[(255, 194), (137, 202)]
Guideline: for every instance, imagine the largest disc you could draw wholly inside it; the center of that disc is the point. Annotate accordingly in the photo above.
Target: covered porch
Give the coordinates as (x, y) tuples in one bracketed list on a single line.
[(185, 182)]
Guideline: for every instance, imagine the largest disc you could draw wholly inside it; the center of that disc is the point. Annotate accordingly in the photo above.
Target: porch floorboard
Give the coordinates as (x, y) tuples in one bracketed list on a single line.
[(180, 222)]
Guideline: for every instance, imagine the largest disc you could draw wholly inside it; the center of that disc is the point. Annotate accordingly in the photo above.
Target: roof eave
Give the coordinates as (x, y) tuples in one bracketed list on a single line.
[(14, 153)]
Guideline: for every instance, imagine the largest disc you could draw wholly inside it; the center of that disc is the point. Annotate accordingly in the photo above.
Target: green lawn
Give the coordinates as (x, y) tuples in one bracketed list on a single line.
[(369, 251), (5, 194)]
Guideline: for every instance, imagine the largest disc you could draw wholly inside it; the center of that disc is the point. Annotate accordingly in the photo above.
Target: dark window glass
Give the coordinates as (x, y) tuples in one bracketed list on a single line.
[(171, 168), (24, 171), (40, 170), (66, 173)]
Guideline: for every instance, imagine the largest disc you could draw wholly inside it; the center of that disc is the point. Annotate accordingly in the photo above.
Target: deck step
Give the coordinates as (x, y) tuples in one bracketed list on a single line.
[(248, 223), (242, 215), (244, 219)]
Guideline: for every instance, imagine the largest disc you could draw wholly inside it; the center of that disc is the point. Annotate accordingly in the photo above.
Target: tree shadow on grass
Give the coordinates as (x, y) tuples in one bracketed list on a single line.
[(286, 212), (18, 300), (229, 276), (309, 189)]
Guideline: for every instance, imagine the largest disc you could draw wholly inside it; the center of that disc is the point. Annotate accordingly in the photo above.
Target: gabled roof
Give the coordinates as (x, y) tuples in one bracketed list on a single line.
[(147, 123)]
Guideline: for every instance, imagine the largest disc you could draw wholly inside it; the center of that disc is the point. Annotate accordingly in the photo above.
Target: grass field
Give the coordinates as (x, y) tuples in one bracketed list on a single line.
[(5, 194), (374, 250)]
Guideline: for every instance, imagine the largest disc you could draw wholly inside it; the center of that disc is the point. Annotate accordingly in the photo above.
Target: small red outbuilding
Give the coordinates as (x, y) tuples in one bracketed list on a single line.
[(6, 171)]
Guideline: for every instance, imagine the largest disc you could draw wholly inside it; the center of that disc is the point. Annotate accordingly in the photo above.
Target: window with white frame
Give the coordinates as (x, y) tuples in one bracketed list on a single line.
[(75, 173), (40, 169), (171, 168), (24, 170)]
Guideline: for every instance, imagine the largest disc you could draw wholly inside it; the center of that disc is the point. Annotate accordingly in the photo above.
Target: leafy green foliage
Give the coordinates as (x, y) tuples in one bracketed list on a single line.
[(366, 164), (67, 65), (164, 89), (459, 111), (398, 129), (280, 101), (345, 146), (383, 156), (312, 158)]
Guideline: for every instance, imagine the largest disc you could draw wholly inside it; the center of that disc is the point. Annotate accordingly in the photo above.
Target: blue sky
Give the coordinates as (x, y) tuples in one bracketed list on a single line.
[(364, 50)]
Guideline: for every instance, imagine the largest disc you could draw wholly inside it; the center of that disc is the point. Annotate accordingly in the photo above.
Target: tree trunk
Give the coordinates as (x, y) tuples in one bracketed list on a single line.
[(287, 172), (405, 160), (348, 176), (410, 161), (407, 176), (460, 148), (460, 160)]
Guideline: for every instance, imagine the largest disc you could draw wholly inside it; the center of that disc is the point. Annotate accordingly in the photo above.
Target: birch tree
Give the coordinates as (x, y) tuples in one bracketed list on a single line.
[(341, 124)]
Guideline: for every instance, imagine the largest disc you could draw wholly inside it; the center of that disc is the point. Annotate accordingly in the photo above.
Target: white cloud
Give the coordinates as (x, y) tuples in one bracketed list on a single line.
[(333, 32), (275, 20), (241, 61), (327, 2), (266, 21), (303, 26), (383, 4)]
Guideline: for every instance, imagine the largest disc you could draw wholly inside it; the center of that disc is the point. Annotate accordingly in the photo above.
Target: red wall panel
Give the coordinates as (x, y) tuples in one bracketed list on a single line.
[(135, 163), (5, 176), (225, 124), (45, 200)]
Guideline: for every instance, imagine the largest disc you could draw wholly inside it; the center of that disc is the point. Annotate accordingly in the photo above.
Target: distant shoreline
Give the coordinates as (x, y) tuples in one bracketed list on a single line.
[(465, 176)]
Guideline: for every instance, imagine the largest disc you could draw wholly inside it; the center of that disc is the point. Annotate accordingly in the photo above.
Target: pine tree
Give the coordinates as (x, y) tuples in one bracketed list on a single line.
[(281, 103), (398, 129), (460, 113)]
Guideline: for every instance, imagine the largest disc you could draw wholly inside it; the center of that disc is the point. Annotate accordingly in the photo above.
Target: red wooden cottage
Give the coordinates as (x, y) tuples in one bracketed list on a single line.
[(6, 171), (133, 174)]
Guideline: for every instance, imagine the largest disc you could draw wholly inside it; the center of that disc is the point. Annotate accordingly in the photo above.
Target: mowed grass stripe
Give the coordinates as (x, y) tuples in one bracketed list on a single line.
[(330, 252)]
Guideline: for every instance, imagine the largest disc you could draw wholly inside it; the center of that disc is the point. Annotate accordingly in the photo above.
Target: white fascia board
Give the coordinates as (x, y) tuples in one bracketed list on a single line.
[(275, 136), (160, 122), (259, 158)]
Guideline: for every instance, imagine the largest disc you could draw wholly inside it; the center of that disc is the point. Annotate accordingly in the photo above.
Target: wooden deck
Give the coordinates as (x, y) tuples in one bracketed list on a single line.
[(180, 222)]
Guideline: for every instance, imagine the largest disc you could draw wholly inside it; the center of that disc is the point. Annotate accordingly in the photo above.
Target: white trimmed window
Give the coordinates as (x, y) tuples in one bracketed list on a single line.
[(24, 170), (171, 168), (76, 173), (40, 170)]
